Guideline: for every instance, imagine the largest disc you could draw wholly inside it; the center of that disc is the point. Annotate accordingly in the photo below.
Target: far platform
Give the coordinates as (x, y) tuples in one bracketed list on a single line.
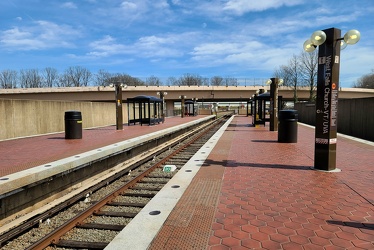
[(24, 153)]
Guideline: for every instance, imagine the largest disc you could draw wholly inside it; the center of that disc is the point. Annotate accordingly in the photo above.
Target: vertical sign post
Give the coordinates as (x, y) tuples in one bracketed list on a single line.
[(119, 116), (162, 106), (274, 104), (327, 101), (182, 106)]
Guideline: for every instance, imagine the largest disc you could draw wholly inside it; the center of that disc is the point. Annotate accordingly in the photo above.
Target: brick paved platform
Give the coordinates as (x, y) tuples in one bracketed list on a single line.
[(24, 153), (251, 193), (270, 198)]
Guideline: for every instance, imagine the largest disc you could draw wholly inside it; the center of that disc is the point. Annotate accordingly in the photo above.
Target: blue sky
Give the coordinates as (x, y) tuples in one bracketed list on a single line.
[(163, 38)]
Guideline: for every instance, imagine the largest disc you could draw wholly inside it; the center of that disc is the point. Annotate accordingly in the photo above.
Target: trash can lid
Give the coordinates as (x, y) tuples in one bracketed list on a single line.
[(73, 114), (288, 114)]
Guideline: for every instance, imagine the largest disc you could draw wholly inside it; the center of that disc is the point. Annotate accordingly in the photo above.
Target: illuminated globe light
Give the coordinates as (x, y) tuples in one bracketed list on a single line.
[(269, 81), (309, 46), (352, 37), (343, 45), (318, 37)]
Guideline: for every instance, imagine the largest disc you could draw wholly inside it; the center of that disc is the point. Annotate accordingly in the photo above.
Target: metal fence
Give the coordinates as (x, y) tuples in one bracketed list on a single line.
[(355, 116)]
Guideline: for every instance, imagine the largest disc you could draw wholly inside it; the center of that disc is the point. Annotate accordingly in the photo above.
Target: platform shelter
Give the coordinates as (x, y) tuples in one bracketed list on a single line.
[(144, 110), (190, 108), (260, 108)]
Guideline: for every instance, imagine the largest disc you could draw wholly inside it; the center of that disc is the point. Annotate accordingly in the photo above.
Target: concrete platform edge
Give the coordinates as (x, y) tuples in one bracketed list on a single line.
[(164, 202), (13, 182)]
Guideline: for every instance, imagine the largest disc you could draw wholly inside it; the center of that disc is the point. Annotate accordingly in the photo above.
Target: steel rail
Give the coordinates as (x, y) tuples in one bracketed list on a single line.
[(34, 221), (54, 237)]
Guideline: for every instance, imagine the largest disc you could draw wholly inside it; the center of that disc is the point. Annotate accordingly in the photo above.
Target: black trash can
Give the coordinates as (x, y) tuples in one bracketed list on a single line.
[(73, 125), (287, 127)]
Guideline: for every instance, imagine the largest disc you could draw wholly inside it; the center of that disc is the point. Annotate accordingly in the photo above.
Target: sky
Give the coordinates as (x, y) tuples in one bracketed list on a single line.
[(170, 38)]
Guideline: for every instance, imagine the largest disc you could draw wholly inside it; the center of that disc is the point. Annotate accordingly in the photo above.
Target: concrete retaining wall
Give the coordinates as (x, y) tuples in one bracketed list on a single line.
[(20, 118)]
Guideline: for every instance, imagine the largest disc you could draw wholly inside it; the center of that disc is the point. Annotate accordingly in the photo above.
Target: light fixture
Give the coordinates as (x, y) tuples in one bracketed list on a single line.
[(268, 82), (318, 37), (279, 82), (352, 37), (343, 45), (112, 85), (309, 46), (330, 42)]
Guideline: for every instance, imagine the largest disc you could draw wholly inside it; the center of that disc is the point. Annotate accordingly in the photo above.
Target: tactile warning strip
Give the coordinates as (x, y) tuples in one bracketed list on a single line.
[(189, 224)]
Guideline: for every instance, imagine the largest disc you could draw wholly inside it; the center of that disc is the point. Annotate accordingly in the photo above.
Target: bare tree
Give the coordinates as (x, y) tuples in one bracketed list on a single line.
[(294, 71), (366, 81), (51, 77), (282, 73), (205, 81), (230, 81), (102, 78), (291, 74), (8, 79), (190, 80), (309, 71), (30, 78), (172, 81), (216, 81), (126, 79), (153, 81), (75, 77), (65, 80)]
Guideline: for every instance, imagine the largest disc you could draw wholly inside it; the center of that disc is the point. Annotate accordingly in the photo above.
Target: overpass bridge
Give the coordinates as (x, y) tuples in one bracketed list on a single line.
[(202, 93)]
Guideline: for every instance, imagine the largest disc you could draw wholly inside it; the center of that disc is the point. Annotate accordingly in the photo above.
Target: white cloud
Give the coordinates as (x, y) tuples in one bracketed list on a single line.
[(129, 6), (240, 35), (242, 6), (13, 38), (241, 54), (161, 4), (142, 6), (152, 40), (355, 61), (176, 2), (225, 48), (131, 11), (107, 47), (167, 45), (69, 5), (43, 35)]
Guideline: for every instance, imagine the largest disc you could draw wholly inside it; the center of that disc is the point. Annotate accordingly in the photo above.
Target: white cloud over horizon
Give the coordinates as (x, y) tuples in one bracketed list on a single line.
[(205, 37)]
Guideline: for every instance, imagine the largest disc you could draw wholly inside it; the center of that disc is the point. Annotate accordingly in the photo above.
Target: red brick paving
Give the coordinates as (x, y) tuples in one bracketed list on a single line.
[(20, 154), (262, 194), (271, 198)]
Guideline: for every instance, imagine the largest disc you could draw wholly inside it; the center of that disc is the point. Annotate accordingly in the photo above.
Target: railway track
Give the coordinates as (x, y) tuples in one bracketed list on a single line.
[(93, 219)]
